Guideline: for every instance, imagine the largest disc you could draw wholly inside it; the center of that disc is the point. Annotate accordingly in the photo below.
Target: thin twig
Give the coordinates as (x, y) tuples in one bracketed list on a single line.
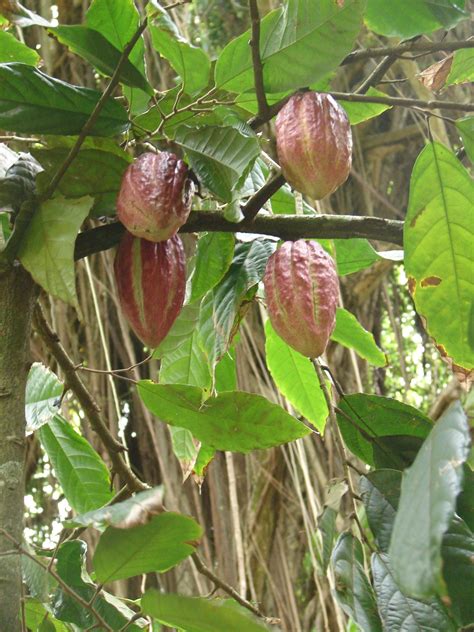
[(256, 59), (87, 402), (67, 589), (114, 81), (399, 49)]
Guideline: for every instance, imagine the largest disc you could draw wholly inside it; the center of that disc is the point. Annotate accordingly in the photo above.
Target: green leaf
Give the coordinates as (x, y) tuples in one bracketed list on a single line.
[(80, 471), (221, 156), (13, 50), (199, 615), (353, 590), (234, 421), (328, 530), (104, 56), (350, 333), (462, 68), (299, 45), (226, 373), (32, 102), (353, 255), (360, 112), (406, 18), (189, 62), (438, 242), (185, 448), (157, 546), (122, 514), (95, 171), (380, 491), (466, 130), (222, 307), (400, 613), (47, 249), (43, 393), (213, 257), (38, 618), (71, 568), (118, 21), (365, 416), (39, 581), (427, 504), (295, 378), (458, 569)]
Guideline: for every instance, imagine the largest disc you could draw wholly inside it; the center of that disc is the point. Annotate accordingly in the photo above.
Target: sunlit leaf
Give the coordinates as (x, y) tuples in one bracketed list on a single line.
[(43, 393), (350, 333)]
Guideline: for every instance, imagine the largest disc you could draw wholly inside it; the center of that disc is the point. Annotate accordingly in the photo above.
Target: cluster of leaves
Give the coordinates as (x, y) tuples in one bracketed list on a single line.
[(420, 524)]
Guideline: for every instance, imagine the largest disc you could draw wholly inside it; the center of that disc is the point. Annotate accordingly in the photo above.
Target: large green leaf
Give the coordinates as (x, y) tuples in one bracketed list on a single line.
[(458, 569), (96, 49), (295, 378), (234, 421), (80, 471), (439, 247), (462, 68), (400, 613), (47, 249), (213, 257), (406, 18), (95, 171), (43, 393), (222, 307), (13, 50), (466, 130), (427, 505), (71, 568), (353, 589), (221, 156), (353, 255), (380, 491), (154, 547), (365, 419), (360, 112), (350, 333), (195, 614), (300, 44), (38, 618), (190, 63), (130, 512), (32, 102)]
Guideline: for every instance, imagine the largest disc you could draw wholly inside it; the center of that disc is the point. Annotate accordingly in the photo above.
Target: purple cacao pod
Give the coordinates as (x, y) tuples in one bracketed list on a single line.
[(155, 196), (302, 292), (151, 282), (314, 144)]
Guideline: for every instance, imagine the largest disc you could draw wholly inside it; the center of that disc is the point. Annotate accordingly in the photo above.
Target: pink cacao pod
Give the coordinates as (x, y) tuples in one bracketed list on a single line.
[(302, 292), (151, 281), (314, 144), (155, 196)]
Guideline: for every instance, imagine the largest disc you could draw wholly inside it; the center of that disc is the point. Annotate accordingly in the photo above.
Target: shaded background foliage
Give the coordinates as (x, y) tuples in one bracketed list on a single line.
[(260, 512)]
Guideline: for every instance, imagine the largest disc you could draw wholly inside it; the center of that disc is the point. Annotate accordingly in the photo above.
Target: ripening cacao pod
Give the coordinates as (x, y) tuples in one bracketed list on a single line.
[(314, 144), (302, 292), (151, 282), (155, 196)]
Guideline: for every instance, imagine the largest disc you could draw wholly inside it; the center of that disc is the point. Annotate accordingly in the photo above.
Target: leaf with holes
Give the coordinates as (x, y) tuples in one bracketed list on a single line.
[(439, 246)]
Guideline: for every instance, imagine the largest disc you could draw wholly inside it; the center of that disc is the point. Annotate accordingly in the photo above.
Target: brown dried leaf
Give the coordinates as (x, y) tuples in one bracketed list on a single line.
[(434, 77)]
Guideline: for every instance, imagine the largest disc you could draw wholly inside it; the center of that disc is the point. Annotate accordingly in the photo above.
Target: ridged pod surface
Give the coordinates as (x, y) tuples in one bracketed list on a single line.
[(302, 292), (155, 196), (151, 282), (314, 144)]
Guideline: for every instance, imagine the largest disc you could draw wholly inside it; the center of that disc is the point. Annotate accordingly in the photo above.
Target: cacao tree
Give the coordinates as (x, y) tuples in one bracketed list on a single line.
[(236, 316)]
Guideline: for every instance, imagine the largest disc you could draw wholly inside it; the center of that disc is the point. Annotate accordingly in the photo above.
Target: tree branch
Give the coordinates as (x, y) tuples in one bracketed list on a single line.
[(87, 402), (407, 47), (262, 196), (286, 227), (256, 59), (91, 121)]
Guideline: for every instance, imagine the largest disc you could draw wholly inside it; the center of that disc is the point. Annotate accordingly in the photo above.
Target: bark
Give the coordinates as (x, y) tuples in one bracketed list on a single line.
[(17, 297)]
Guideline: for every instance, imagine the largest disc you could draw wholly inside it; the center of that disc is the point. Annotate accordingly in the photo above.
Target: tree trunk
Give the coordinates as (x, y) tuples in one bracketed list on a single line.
[(17, 297)]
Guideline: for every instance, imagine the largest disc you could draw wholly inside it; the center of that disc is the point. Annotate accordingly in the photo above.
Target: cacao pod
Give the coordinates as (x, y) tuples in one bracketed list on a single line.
[(155, 196), (302, 292), (314, 144), (151, 282)]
